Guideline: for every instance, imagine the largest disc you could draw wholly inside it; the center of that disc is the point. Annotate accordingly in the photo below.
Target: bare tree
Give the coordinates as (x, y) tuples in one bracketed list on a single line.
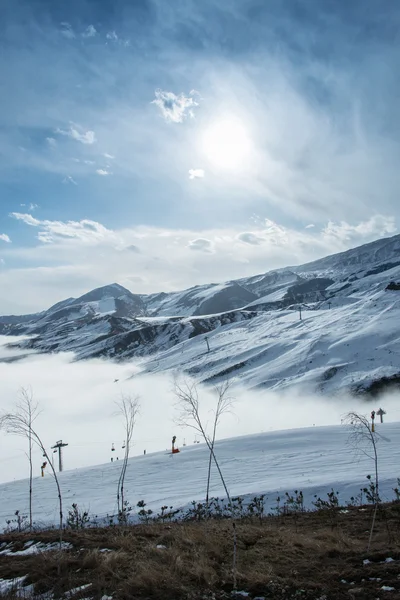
[(20, 422), (189, 416), (364, 440), (128, 407), (224, 405), (29, 407)]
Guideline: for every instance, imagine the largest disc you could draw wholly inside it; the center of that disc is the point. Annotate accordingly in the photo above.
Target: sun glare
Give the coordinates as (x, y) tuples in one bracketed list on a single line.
[(226, 144)]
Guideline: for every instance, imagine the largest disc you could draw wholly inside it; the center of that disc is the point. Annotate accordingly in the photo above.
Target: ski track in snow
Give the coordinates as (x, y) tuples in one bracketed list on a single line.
[(313, 460)]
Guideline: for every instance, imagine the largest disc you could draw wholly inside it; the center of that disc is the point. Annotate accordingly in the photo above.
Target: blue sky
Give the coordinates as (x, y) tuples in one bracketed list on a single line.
[(165, 144)]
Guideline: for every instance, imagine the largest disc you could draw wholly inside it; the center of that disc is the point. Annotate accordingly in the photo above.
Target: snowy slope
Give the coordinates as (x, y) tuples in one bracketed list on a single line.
[(349, 345), (347, 338), (312, 460)]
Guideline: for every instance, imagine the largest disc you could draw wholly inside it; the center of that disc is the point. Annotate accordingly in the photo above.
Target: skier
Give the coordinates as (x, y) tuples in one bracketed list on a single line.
[(174, 450)]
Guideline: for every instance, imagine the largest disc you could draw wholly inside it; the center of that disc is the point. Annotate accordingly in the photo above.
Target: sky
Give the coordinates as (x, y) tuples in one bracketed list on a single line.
[(77, 404), (162, 145)]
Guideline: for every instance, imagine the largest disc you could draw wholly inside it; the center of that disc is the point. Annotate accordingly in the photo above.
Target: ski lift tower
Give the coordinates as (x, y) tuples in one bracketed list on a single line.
[(380, 413), (59, 446)]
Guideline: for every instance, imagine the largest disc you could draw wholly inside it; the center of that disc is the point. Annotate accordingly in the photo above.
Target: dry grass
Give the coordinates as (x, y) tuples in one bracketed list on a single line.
[(276, 559)]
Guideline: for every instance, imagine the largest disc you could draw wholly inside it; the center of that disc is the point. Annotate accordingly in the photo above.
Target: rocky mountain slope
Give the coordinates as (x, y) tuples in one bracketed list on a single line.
[(329, 324)]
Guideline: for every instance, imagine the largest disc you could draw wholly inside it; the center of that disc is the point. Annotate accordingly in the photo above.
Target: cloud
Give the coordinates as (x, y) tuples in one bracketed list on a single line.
[(28, 219), (103, 172), (169, 259), (111, 35), (201, 245), (67, 31), (60, 383), (31, 206), (69, 179), (55, 231), (175, 108), (5, 238), (76, 132), (133, 248), (250, 238), (196, 173), (51, 142), (106, 155), (89, 32), (376, 226), (309, 226)]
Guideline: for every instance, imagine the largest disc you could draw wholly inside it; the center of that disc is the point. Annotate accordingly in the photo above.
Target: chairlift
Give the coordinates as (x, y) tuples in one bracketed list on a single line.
[(112, 447), (123, 444)]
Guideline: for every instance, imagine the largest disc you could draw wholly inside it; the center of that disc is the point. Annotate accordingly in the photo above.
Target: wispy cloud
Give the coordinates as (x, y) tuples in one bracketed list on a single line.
[(69, 179), (51, 142), (76, 132), (67, 31), (103, 172), (31, 206), (55, 231), (5, 238), (196, 173), (106, 155), (376, 226), (201, 245), (111, 35), (175, 108), (89, 32), (250, 238)]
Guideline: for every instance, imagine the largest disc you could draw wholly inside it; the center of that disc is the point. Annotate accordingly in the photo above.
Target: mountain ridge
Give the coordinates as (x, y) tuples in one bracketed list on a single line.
[(203, 330)]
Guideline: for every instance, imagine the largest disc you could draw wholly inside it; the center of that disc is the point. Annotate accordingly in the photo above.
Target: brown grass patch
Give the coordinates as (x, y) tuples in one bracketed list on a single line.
[(276, 559)]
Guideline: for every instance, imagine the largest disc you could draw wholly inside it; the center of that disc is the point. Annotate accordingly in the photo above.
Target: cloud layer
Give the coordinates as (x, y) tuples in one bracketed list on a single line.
[(77, 402), (67, 258)]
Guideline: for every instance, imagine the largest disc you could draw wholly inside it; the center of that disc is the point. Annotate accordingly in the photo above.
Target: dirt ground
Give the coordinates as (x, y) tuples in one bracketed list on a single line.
[(320, 555)]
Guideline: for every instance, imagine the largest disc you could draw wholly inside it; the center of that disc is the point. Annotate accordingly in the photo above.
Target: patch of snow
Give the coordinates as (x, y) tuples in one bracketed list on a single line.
[(35, 548), (74, 591), (10, 585)]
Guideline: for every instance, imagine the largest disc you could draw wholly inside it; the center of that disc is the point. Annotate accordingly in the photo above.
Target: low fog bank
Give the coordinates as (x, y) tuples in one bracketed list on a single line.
[(77, 400)]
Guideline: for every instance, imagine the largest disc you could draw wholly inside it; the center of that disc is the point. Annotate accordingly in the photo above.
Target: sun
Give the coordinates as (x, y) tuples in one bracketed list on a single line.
[(226, 144)]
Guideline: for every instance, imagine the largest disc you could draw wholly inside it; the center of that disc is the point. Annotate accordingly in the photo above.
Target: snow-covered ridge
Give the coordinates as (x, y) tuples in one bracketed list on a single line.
[(249, 329)]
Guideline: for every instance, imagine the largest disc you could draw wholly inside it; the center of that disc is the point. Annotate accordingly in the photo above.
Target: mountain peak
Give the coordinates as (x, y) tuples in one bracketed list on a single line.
[(114, 290)]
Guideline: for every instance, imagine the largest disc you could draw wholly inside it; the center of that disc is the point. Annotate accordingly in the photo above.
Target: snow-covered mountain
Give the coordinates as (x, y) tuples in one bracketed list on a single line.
[(249, 329)]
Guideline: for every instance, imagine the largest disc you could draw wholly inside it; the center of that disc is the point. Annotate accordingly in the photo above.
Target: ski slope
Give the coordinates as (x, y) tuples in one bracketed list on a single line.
[(311, 459), (350, 341)]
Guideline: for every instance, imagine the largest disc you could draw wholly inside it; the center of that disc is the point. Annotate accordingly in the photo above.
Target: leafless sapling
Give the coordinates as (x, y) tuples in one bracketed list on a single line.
[(29, 407), (364, 440), (128, 407), (188, 402), (20, 423), (224, 405)]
